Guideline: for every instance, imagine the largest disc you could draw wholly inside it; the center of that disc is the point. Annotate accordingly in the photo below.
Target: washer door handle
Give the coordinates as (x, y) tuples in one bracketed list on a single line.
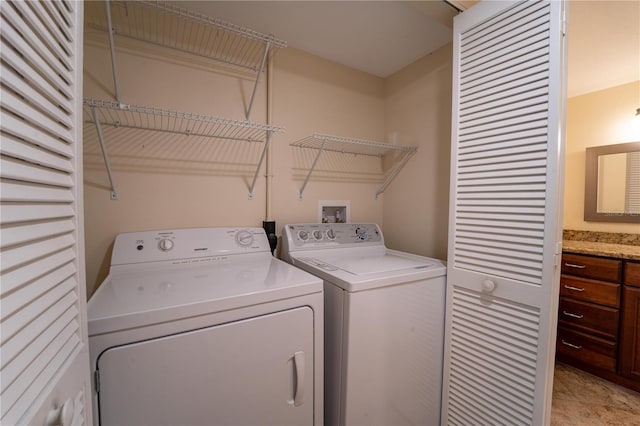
[(299, 362)]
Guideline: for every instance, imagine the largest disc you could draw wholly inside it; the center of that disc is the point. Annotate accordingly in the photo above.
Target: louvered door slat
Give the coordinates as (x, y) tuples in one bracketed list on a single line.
[(20, 277), (20, 192), (507, 80), (21, 297), (38, 49), (17, 62), (20, 234), (499, 26), (55, 42), (14, 147), (37, 137), (13, 213), (531, 90), (18, 106), (26, 254), (28, 92), (503, 214), (24, 171), (47, 65), (28, 314)]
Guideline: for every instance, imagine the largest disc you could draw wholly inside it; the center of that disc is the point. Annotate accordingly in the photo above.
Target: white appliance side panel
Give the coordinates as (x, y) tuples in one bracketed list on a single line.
[(239, 373), (334, 299), (393, 357)]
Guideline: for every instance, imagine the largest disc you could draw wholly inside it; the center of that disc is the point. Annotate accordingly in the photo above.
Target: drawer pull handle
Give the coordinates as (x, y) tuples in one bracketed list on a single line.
[(571, 345), (568, 287), (569, 314), (574, 265)]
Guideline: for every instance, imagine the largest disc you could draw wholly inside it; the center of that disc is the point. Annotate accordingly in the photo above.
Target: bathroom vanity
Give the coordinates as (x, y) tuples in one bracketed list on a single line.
[(599, 306)]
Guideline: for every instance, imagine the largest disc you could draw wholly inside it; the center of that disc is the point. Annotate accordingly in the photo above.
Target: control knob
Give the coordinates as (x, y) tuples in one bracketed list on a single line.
[(362, 234), (317, 235), (331, 234), (165, 244), (244, 238)]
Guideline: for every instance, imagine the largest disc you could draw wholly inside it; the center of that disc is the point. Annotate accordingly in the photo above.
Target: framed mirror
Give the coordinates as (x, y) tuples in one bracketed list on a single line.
[(612, 183)]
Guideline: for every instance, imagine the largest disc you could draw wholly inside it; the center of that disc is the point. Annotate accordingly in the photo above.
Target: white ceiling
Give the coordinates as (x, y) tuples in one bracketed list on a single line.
[(382, 37)]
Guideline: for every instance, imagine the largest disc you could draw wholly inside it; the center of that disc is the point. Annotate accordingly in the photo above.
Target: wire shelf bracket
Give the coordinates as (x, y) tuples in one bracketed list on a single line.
[(174, 27), (344, 145), (120, 115)]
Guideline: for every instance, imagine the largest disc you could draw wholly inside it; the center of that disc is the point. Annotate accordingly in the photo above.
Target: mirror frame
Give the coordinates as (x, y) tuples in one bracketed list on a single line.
[(591, 184)]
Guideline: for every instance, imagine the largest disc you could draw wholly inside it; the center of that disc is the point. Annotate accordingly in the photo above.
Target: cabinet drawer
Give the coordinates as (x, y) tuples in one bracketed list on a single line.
[(589, 349), (596, 268), (590, 291), (632, 273), (588, 317)]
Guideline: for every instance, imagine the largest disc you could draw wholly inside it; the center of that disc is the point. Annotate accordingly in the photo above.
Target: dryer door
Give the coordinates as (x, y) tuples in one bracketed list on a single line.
[(254, 371)]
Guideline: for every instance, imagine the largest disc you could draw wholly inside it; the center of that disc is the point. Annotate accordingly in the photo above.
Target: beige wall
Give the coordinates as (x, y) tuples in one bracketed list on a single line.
[(167, 181), (605, 117), (418, 112)]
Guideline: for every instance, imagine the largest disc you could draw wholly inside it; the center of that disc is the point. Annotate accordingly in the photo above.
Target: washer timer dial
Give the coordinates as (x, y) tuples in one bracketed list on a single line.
[(244, 238), (165, 244)]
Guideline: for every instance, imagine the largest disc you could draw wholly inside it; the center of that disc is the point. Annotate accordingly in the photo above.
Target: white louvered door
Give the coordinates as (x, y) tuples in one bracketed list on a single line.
[(44, 361), (505, 213)]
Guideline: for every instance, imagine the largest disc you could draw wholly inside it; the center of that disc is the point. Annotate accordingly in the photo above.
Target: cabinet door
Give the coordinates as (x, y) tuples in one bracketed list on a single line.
[(629, 360), (257, 371)]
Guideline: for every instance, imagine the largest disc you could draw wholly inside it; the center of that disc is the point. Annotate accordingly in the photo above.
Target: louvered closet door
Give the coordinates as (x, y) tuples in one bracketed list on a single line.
[(505, 213), (44, 356)]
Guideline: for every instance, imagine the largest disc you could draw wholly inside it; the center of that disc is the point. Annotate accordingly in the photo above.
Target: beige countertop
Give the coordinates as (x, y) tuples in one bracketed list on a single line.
[(622, 251)]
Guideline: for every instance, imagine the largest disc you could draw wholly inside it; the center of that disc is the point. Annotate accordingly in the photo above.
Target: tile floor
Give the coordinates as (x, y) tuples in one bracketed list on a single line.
[(581, 399)]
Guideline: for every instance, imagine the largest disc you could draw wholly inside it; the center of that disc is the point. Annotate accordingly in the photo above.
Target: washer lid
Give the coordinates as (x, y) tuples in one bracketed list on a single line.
[(374, 264), (138, 297), (356, 269)]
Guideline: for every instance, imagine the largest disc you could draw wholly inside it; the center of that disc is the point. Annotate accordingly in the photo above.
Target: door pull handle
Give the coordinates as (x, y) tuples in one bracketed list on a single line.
[(571, 345), (568, 287), (299, 362)]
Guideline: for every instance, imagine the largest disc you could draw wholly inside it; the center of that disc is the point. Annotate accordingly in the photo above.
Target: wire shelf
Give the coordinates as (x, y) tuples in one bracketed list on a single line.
[(140, 117), (349, 145), (171, 26), (120, 115), (324, 142)]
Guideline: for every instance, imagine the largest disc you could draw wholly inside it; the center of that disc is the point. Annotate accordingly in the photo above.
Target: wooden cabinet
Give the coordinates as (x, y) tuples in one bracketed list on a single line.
[(599, 317), (630, 324), (589, 310)]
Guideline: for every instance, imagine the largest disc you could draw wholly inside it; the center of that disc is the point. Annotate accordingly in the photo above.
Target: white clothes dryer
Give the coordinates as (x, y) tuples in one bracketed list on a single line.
[(384, 324), (205, 327)]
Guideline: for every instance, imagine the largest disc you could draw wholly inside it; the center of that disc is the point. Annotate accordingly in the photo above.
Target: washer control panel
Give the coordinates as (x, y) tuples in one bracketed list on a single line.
[(187, 245), (309, 235)]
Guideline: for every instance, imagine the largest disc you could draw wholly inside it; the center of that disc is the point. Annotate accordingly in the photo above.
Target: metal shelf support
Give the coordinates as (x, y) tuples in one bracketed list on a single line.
[(114, 191), (313, 166)]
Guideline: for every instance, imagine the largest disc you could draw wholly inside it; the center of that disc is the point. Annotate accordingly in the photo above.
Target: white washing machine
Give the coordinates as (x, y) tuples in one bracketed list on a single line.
[(205, 327), (384, 324)]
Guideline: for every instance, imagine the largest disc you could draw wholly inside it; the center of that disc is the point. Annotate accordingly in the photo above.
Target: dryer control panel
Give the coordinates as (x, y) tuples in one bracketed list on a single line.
[(187, 245), (319, 235)]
